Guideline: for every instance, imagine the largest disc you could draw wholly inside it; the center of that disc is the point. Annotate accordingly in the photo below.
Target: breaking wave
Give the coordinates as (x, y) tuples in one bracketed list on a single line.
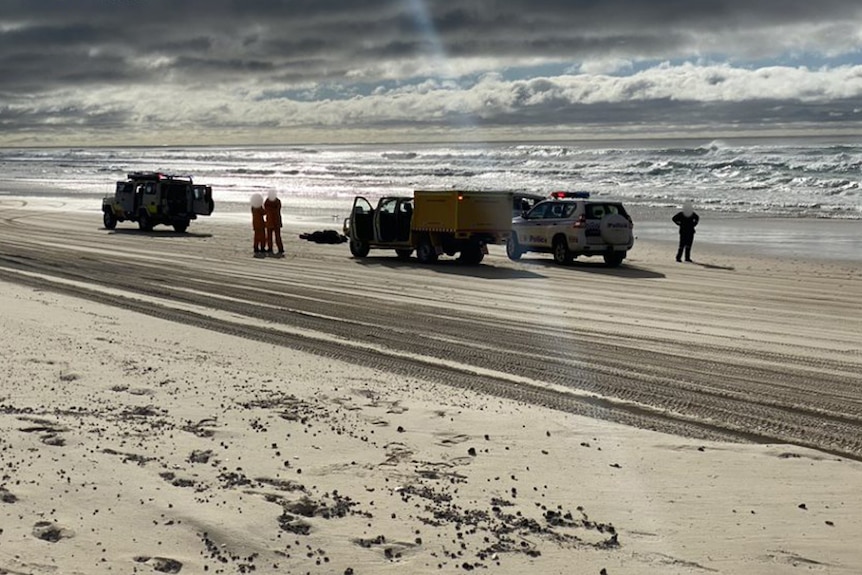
[(803, 178)]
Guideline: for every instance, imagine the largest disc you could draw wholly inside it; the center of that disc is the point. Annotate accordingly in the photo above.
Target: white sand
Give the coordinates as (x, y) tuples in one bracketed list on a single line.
[(111, 408)]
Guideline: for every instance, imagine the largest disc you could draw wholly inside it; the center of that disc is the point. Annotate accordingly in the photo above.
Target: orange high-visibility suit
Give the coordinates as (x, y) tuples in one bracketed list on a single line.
[(258, 224), (272, 205)]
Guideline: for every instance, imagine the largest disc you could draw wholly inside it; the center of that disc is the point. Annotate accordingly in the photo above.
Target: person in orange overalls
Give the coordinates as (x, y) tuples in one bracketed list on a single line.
[(258, 223), (272, 205)]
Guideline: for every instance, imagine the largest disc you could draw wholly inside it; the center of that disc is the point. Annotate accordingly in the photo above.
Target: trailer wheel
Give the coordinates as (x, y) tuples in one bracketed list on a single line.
[(181, 226), (472, 255), (404, 254), (109, 219), (359, 248), (425, 252)]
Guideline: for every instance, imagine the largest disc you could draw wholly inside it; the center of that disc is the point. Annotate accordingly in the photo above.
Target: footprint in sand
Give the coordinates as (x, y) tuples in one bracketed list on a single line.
[(449, 439), (7, 496), (396, 408), (396, 453), (132, 390), (200, 456), (203, 428), (161, 564), (49, 430), (392, 550), (47, 531)]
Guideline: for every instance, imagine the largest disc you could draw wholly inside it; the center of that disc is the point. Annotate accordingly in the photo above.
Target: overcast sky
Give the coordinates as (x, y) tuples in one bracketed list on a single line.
[(91, 72)]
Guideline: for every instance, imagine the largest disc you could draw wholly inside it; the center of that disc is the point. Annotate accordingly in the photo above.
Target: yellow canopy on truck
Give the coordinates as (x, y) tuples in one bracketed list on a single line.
[(462, 211)]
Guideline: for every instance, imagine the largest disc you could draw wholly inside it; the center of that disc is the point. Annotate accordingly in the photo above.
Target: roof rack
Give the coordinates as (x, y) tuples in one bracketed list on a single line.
[(138, 176)]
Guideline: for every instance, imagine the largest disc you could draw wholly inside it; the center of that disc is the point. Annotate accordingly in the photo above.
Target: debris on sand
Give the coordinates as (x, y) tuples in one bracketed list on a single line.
[(324, 237)]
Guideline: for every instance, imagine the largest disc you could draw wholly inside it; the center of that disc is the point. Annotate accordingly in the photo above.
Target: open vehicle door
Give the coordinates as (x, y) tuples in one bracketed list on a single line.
[(385, 223), (362, 220), (202, 200), (360, 228)]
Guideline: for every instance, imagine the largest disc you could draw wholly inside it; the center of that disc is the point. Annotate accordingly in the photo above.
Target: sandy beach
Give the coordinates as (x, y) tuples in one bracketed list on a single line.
[(170, 404)]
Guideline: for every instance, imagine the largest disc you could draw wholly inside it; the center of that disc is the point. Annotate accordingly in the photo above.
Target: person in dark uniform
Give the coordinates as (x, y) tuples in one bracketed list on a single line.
[(686, 219)]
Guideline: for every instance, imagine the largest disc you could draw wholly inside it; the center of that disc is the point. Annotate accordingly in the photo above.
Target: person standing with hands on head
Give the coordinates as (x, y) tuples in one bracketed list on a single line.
[(272, 205), (258, 224), (687, 219)]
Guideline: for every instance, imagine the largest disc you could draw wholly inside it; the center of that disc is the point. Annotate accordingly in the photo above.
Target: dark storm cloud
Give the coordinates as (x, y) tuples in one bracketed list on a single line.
[(91, 56), (357, 33)]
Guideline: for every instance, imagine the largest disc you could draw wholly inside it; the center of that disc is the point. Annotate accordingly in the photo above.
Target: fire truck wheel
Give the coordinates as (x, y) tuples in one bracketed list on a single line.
[(110, 220)]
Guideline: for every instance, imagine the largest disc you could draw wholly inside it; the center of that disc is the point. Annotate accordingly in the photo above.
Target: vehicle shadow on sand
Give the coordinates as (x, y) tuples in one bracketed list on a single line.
[(166, 233), (453, 267), (625, 270)]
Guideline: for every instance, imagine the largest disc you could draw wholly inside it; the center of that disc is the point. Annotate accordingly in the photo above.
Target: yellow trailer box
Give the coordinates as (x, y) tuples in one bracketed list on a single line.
[(462, 211)]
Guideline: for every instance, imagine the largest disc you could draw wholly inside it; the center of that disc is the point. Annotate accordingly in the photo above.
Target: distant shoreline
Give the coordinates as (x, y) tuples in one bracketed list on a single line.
[(590, 140)]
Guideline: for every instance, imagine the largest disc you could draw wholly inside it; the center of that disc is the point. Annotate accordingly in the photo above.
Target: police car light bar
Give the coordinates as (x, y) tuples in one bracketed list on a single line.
[(578, 194)]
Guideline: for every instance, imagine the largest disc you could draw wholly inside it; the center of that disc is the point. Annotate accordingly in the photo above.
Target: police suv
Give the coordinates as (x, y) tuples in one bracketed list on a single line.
[(568, 225)]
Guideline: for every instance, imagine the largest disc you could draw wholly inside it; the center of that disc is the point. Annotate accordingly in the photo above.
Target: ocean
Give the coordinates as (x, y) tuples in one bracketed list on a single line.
[(796, 178)]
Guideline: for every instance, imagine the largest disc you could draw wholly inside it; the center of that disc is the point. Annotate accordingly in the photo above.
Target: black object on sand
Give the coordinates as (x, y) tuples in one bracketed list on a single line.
[(324, 237)]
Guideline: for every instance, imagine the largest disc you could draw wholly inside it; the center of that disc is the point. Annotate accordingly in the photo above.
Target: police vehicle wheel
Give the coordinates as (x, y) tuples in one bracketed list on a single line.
[(513, 248), (562, 254), (110, 220), (181, 227), (615, 259), (359, 248)]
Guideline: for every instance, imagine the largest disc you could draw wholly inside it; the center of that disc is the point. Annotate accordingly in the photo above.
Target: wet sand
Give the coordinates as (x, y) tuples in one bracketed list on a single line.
[(171, 404)]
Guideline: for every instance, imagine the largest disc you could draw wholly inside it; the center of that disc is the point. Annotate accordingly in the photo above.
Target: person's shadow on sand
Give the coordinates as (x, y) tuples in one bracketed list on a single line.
[(713, 266)]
